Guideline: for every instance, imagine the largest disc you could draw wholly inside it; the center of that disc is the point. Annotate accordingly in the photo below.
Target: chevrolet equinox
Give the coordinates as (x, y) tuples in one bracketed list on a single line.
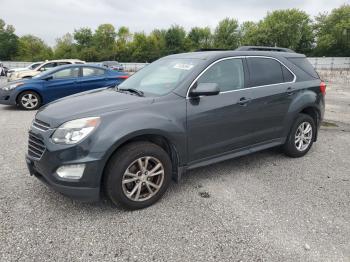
[(181, 112)]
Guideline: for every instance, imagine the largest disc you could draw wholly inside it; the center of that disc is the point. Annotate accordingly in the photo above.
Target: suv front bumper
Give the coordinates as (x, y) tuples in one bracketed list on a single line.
[(72, 190), (79, 193), (86, 188)]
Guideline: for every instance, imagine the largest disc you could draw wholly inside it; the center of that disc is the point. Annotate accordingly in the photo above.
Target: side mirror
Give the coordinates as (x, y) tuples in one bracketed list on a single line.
[(47, 78), (42, 69), (205, 89)]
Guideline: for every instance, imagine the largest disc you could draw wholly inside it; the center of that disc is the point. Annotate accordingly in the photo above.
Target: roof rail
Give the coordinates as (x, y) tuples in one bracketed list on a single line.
[(210, 49), (264, 48)]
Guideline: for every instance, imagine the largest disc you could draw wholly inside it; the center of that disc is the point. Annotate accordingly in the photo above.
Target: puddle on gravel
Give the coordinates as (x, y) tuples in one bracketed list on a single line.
[(328, 124)]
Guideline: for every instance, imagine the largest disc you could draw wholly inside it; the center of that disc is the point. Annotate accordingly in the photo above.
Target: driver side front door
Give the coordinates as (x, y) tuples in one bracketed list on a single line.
[(63, 83), (220, 124)]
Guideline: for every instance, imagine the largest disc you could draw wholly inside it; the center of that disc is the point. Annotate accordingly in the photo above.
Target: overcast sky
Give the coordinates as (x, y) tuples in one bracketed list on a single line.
[(50, 19)]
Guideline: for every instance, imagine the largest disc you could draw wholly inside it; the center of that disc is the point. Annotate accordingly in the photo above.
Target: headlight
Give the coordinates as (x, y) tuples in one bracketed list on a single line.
[(74, 131), (12, 86)]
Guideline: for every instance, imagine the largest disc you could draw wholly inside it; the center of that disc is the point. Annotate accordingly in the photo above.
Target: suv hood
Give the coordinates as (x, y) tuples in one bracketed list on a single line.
[(91, 103)]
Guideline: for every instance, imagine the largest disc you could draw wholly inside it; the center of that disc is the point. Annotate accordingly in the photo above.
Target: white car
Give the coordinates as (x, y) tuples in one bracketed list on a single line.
[(43, 67), (30, 67)]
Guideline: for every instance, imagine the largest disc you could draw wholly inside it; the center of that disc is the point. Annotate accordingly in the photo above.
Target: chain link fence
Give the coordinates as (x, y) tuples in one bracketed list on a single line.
[(320, 63), (129, 67), (330, 63)]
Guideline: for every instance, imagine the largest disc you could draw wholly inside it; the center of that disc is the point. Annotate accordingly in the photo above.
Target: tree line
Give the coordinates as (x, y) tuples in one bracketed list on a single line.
[(328, 34)]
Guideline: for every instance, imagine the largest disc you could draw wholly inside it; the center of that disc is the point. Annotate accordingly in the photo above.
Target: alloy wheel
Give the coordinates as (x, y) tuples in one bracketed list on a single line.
[(29, 101), (303, 136), (143, 178)]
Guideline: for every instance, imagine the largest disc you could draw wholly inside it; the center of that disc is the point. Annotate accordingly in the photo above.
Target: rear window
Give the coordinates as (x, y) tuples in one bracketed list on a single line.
[(304, 65)]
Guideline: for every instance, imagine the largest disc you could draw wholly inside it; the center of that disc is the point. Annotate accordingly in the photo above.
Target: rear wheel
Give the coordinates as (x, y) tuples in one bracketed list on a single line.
[(29, 100), (137, 175), (301, 136)]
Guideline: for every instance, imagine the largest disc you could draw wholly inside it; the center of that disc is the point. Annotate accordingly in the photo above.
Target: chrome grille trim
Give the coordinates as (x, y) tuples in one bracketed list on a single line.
[(36, 146), (40, 125)]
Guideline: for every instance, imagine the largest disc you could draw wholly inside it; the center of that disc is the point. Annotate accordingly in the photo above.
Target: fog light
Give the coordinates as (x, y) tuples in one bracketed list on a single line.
[(71, 171)]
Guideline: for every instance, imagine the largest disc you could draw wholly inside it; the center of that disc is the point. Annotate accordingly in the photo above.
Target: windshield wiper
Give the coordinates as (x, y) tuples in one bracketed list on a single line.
[(131, 90)]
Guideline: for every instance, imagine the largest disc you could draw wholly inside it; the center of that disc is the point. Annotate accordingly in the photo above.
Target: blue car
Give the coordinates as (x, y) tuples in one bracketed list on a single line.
[(30, 94)]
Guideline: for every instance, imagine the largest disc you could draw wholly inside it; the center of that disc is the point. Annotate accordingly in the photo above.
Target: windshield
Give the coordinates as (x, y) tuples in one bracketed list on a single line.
[(160, 77), (33, 66)]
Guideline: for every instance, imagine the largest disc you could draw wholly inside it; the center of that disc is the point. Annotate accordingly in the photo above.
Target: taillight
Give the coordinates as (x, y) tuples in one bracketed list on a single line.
[(123, 77), (323, 88)]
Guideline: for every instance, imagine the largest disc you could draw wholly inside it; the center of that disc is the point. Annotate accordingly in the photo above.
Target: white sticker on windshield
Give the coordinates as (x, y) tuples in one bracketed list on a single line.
[(184, 66)]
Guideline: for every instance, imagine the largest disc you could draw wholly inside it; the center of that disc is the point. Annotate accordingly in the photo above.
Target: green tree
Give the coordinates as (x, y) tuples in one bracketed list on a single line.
[(85, 44), (289, 28), (8, 41), (157, 40), (105, 41), (83, 37), (65, 47), (124, 38), (140, 48), (175, 39), (226, 34), (249, 33), (32, 48), (199, 38), (333, 33)]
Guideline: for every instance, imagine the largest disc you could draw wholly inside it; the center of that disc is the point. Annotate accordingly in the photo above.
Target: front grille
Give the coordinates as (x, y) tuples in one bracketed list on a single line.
[(41, 125), (36, 146)]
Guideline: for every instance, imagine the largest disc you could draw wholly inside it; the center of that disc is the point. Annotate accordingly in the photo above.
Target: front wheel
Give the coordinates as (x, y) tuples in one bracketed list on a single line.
[(301, 137), (137, 175), (29, 100)]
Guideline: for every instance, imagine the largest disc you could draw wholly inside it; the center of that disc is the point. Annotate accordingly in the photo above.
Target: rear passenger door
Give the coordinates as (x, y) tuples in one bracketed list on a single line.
[(271, 84), (91, 78)]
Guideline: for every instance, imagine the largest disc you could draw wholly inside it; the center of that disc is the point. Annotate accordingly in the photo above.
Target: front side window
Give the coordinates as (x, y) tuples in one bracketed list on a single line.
[(264, 71), (66, 73), (228, 74), (90, 71), (162, 76)]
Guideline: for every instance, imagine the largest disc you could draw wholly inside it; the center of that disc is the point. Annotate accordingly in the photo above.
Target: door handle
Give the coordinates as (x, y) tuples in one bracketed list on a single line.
[(243, 101), (290, 90)]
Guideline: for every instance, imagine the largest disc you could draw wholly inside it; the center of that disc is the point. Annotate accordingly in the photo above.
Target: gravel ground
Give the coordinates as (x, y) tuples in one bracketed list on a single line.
[(262, 207)]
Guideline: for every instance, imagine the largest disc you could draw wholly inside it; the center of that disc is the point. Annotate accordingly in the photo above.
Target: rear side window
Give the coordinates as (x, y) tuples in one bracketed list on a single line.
[(63, 63), (264, 71), (287, 75), (66, 73), (228, 74), (90, 71), (304, 65), (48, 66)]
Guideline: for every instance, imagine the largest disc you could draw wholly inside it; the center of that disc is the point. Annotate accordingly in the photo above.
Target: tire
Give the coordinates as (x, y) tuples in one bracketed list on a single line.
[(29, 100), (125, 162), (295, 147)]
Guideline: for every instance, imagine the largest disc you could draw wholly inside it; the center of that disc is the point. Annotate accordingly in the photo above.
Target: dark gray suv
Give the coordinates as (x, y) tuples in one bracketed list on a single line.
[(178, 113)]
